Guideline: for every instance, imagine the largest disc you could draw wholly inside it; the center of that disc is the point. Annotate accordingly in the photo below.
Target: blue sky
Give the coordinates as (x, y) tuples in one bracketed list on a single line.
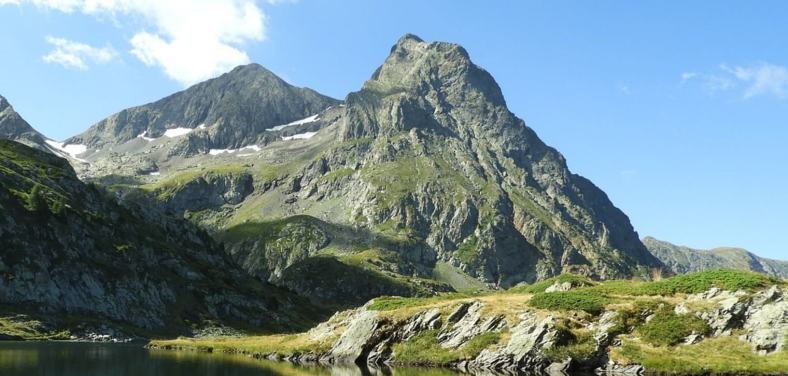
[(678, 111)]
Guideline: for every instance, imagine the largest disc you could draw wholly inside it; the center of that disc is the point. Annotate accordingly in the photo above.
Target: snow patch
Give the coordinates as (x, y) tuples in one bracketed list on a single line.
[(230, 151), (71, 150), (157, 173), (300, 136), (201, 126), (175, 132), (142, 136), (308, 120)]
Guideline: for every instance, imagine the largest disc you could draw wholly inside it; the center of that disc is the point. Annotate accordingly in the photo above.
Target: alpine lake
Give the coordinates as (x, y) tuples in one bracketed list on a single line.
[(102, 359)]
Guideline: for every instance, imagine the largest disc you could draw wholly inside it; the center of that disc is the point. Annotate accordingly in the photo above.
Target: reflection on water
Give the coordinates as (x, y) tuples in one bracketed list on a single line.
[(93, 359)]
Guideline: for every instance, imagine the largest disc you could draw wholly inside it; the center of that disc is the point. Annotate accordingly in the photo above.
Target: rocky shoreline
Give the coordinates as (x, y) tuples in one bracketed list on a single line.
[(758, 320)]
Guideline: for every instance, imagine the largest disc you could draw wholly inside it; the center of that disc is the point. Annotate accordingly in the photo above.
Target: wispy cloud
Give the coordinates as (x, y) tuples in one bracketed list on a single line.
[(757, 80), (71, 54), (628, 173), (762, 79), (190, 40), (624, 89), (686, 76)]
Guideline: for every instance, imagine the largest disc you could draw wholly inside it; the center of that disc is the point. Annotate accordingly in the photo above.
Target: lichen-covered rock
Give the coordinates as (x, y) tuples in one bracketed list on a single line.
[(355, 343), (767, 321), (457, 332)]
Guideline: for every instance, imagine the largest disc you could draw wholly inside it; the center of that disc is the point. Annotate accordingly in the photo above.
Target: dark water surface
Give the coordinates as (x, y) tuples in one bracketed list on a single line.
[(96, 359)]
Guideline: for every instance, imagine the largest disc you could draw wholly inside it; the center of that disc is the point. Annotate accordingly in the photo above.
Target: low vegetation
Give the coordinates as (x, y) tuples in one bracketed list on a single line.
[(666, 328), (647, 323), (573, 300), (722, 355)]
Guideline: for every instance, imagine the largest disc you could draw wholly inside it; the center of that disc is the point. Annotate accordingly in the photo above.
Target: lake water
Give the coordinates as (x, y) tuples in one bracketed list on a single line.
[(96, 359)]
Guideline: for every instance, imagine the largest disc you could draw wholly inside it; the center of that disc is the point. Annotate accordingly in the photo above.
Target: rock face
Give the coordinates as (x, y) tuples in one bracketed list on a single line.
[(67, 251), (684, 260), (445, 161), (13, 127), (235, 109)]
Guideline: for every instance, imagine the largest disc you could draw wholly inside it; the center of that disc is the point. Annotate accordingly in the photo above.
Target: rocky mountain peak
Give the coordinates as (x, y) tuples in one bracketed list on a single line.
[(419, 85), (14, 127), (3, 103), (423, 66)]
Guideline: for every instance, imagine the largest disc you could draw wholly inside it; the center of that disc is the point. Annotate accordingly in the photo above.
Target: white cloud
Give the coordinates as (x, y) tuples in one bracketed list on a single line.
[(686, 76), (191, 40), (4, 2), (624, 89), (762, 79), (71, 54)]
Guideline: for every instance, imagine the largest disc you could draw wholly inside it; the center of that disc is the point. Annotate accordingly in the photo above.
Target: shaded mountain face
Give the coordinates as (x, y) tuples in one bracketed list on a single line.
[(14, 127), (420, 181), (67, 253), (684, 260)]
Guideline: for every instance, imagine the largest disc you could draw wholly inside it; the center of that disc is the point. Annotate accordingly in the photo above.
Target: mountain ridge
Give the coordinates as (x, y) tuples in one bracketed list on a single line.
[(682, 260)]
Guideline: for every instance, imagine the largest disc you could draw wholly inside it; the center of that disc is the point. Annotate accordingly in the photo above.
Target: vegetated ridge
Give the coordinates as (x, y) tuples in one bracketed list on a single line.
[(687, 260)]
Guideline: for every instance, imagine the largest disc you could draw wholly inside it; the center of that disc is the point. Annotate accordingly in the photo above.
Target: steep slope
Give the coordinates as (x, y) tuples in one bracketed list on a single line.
[(427, 175), (14, 127), (248, 107), (684, 260), (68, 254)]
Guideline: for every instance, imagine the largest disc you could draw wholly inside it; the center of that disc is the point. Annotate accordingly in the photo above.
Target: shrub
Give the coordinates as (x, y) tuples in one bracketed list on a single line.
[(667, 328), (731, 280), (35, 200), (573, 300), (475, 346), (423, 349), (580, 345)]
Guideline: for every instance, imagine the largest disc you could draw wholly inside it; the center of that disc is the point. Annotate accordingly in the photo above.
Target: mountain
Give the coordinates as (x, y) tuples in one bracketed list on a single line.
[(69, 256), (14, 127), (421, 181), (239, 109), (684, 260)]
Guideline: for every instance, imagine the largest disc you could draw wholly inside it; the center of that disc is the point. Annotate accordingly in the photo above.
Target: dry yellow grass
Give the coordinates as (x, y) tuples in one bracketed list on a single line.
[(282, 344), (713, 355)]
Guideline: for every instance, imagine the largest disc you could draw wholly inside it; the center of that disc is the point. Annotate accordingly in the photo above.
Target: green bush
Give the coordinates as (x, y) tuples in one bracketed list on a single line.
[(580, 345), (35, 200), (423, 349), (391, 303), (475, 346), (666, 328), (572, 300), (694, 283)]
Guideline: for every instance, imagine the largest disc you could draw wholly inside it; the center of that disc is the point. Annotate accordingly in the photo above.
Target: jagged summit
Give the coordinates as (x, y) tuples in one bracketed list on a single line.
[(422, 66), (14, 127)]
